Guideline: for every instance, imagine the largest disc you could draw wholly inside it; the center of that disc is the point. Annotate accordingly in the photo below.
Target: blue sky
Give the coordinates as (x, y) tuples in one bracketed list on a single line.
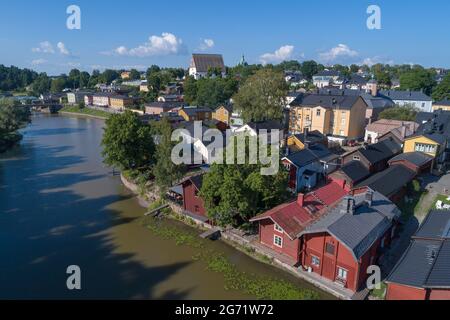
[(138, 33)]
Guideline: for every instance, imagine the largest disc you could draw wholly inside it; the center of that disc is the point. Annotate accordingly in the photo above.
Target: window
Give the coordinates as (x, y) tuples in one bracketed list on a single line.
[(356, 158), (343, 121), (278, 241), (318, 113), (307, 118), (329, 248), (342, 274), (197, 208), (342, 133), (315, 261), (196, 192), (277, 228), (423, 147)]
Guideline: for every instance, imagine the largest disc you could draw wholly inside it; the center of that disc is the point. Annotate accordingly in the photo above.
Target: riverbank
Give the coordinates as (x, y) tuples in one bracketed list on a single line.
[(74, 110), (9, 140), (232, 237)]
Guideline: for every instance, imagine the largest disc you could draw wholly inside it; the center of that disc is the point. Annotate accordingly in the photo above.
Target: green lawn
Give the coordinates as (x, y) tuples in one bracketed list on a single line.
[(86, 111), (442, 198), (380, 293)]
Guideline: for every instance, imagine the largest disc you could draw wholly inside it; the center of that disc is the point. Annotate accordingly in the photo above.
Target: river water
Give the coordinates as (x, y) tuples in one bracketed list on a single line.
[(60, 206)]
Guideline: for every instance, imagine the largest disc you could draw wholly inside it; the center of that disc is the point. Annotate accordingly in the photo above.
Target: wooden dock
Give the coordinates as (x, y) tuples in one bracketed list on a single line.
[(211, 234), (156, 212)]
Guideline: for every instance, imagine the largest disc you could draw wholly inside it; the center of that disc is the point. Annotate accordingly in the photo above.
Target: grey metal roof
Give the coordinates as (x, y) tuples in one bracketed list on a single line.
[(442, 103), (360, 230), (355, 170), (405, 95), (415, 264), (426, 262), (435, 226), (389, 181), (203, 62), (439, 276), (328, 73), (266, 125), (380, 151), (313, 153), (435, 126), (329, 101), (372, 102), (416, 158)]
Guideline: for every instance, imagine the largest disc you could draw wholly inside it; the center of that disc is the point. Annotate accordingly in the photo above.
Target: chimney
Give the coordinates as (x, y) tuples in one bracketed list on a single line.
[(301, 199), (369, 197), (403, 131), (374, 89), (348, 205)]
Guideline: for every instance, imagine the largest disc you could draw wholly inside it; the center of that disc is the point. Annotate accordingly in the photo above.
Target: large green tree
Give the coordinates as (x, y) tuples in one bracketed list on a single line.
[(403, 113), (127, 142), (166, 173), (234, 193), (262, 96), (442, 90), (417, 79)]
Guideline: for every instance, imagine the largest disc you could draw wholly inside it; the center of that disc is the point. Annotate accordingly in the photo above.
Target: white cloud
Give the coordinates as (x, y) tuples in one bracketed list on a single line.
[(44, 47), (38, 62), (62, 49), (166, 44), (282, 54), (341, 51), (206, 44), (374, 60)]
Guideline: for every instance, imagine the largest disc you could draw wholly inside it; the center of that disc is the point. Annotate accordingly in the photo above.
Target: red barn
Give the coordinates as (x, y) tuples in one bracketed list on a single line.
[(193, 204), (331, 232), (423, 271)]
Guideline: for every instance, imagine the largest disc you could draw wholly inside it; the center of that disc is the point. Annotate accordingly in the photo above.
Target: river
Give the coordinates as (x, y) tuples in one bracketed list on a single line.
[(60, 206)]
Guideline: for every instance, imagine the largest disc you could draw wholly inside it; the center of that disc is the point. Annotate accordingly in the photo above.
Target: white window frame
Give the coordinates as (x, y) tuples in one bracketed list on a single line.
[(315, 261), (277, 228), (342, 273), (277, 237)]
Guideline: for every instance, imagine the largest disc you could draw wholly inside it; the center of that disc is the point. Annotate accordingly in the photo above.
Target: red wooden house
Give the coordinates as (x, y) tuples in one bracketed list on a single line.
[(332, 232), (193, 204)]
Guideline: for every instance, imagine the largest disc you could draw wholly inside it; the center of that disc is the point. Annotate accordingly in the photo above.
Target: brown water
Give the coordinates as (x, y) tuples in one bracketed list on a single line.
[(60, 206)]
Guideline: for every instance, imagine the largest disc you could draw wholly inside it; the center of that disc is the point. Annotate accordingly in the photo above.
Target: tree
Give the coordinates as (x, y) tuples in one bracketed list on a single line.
[(309, 68), (59, 84), (41, 84), (190, 90), (442, 91), (12, 118), (74, 78), (212, 92), (383, 78), (84, 79), (165, 171), (402, 113), (234, 193), (151, 70), (109, 76), (134, 74), (262, 97), (127, 142), (417, 79)]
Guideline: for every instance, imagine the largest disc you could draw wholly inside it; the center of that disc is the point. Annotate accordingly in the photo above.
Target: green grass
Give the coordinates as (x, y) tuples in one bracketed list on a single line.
[(262, 287), (86, 111), (442, 198), (409, 208), (380, 293)]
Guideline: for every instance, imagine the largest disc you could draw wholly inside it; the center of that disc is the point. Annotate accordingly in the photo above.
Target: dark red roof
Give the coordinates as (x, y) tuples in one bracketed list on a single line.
[(293, 218)]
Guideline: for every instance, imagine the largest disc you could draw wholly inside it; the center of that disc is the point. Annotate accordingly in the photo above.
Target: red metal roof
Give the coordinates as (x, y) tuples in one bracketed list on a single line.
[(293, 218)]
